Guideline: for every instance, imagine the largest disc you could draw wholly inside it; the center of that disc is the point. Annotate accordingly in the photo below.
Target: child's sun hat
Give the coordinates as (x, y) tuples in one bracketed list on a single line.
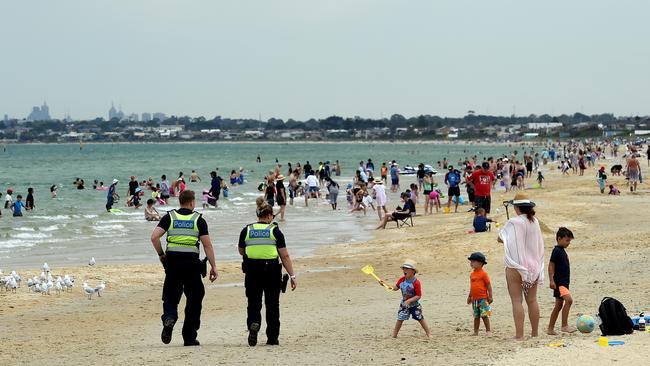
[(410, 264)]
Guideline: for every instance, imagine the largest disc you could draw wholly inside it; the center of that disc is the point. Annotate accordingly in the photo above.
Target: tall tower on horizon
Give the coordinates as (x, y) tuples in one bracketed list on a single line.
[(112, 112)]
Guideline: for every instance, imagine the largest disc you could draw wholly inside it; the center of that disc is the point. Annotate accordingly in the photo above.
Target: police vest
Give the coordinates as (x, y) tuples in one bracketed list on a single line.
[(260, 242), (183, 232)]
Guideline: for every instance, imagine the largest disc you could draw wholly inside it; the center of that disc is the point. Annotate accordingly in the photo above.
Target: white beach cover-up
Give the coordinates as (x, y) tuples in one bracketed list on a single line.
[(380, 194), (524, 249)]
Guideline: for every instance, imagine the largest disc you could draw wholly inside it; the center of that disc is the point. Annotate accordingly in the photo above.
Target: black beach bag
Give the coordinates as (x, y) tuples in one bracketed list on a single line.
[(614, 318)]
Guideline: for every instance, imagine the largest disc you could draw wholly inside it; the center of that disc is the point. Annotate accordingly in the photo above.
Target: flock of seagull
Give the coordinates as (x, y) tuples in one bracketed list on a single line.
[(45, 284)]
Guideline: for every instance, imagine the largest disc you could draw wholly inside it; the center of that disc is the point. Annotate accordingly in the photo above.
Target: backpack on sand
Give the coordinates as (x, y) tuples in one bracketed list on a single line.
[(614, 318)]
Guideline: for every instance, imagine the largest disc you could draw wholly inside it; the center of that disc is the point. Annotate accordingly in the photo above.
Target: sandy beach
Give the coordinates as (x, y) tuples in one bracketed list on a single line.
[(339, 316)]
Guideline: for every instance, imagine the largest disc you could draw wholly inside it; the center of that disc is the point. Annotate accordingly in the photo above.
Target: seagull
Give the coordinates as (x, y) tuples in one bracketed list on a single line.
[(30, 283), (37, 287), (43, 276), (5, 281), (58, 288), (45, 288), (46, 268), (13, 285), (16, 277), (91, 262), (88, 290), (68, 281), (49, 277), (100, 288)]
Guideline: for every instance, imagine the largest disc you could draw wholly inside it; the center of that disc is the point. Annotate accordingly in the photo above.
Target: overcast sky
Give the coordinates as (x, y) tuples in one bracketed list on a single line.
[(301, 58)]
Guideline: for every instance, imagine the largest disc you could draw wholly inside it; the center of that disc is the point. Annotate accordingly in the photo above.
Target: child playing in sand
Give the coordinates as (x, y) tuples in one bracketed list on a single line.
[(434, 200), (481, 221), (480, 292), (150, 212), (559, 274), (540, 179), (613, 190), (411, 295)]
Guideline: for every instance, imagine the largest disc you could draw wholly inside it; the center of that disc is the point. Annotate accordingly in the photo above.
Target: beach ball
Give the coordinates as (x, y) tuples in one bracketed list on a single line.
[(585, 324)]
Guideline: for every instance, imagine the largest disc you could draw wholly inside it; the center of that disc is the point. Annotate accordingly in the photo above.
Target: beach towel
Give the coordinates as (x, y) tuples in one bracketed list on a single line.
[(524, 249)]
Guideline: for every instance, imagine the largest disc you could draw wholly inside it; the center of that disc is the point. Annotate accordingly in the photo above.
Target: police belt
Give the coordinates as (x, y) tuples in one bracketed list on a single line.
[(262, 261), (181, 255), (257, 265)]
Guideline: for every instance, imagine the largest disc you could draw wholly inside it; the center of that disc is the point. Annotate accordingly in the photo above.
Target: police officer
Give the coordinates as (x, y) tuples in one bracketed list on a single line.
[(261, 244), (185, 228)]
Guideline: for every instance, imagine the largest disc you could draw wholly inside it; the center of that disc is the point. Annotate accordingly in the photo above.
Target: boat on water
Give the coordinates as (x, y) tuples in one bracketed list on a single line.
[(409, 170)]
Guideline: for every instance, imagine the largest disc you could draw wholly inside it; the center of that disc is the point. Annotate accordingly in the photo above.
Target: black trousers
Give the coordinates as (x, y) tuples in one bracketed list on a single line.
[(183, 275), (264, 278), (483, 202)]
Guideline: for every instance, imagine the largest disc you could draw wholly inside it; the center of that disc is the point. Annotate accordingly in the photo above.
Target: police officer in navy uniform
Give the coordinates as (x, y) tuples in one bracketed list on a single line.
[(185, 229), (261, 245)]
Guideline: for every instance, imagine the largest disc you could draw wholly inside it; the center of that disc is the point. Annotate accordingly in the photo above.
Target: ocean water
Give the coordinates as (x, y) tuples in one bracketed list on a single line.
[(70, 229)]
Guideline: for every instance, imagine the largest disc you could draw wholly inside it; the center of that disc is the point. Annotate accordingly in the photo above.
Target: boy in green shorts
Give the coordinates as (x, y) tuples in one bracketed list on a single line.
[(480, 293)]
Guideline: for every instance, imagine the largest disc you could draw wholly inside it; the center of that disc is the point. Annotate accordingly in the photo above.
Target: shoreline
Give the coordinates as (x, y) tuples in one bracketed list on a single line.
[(286, 142)]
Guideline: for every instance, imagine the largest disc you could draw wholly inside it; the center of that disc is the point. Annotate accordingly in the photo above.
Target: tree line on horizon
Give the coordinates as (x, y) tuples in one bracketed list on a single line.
[(422, 122)]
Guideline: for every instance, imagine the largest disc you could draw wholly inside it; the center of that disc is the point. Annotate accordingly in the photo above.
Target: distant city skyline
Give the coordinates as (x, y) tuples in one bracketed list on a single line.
[(39, 113), (295, 59)]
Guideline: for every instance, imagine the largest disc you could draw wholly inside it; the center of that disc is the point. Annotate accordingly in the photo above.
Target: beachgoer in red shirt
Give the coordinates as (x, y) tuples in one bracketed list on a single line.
[(483, 181)]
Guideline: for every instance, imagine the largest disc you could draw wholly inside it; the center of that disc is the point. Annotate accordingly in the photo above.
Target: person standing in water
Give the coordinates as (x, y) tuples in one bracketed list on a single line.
[(111, 194), (29, 201), (194, 177), (281, 195)]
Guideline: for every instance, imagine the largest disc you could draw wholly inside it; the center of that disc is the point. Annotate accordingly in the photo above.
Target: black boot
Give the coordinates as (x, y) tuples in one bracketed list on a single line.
[(252, 334), (168, 328)]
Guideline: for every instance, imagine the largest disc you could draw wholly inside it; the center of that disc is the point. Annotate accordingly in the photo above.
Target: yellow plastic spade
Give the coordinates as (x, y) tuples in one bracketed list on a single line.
[(369, 270)]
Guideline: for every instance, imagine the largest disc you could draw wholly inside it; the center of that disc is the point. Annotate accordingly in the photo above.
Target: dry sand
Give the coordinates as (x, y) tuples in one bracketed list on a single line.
[(338, 315)]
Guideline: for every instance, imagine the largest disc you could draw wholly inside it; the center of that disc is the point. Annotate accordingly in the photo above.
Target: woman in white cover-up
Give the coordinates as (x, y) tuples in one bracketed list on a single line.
[(524, 261)]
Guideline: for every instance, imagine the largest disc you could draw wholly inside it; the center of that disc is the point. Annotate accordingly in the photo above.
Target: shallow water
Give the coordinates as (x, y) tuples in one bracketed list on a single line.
[(70, 229)]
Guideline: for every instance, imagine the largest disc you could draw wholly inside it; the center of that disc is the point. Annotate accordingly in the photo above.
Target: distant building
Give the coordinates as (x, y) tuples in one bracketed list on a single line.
[(6, 118), (133, 117), (159, 116), (41, 113), (114, 113), (146, 117), (544, 125)]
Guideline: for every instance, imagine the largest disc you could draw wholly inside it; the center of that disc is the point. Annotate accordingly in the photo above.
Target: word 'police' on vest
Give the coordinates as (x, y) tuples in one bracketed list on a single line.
[(183, 224), (259, 234)]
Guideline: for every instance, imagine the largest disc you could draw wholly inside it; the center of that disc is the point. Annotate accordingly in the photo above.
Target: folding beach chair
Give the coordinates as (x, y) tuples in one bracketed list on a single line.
[(407, 221)]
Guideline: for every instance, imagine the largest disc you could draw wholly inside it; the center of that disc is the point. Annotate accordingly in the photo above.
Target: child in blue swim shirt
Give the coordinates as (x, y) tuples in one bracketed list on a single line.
[(411, 294), (17, 207)]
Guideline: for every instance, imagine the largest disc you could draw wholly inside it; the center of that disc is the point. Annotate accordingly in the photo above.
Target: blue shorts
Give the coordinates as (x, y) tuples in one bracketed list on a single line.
[(314, 189), (394, 181), (405, 313)]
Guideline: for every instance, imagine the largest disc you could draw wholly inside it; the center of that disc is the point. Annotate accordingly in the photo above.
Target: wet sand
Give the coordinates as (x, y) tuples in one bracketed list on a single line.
[(338, 315)]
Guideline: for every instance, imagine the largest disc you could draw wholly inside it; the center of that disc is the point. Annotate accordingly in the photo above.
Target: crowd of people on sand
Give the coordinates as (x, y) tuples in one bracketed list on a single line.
[(367, 190)]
